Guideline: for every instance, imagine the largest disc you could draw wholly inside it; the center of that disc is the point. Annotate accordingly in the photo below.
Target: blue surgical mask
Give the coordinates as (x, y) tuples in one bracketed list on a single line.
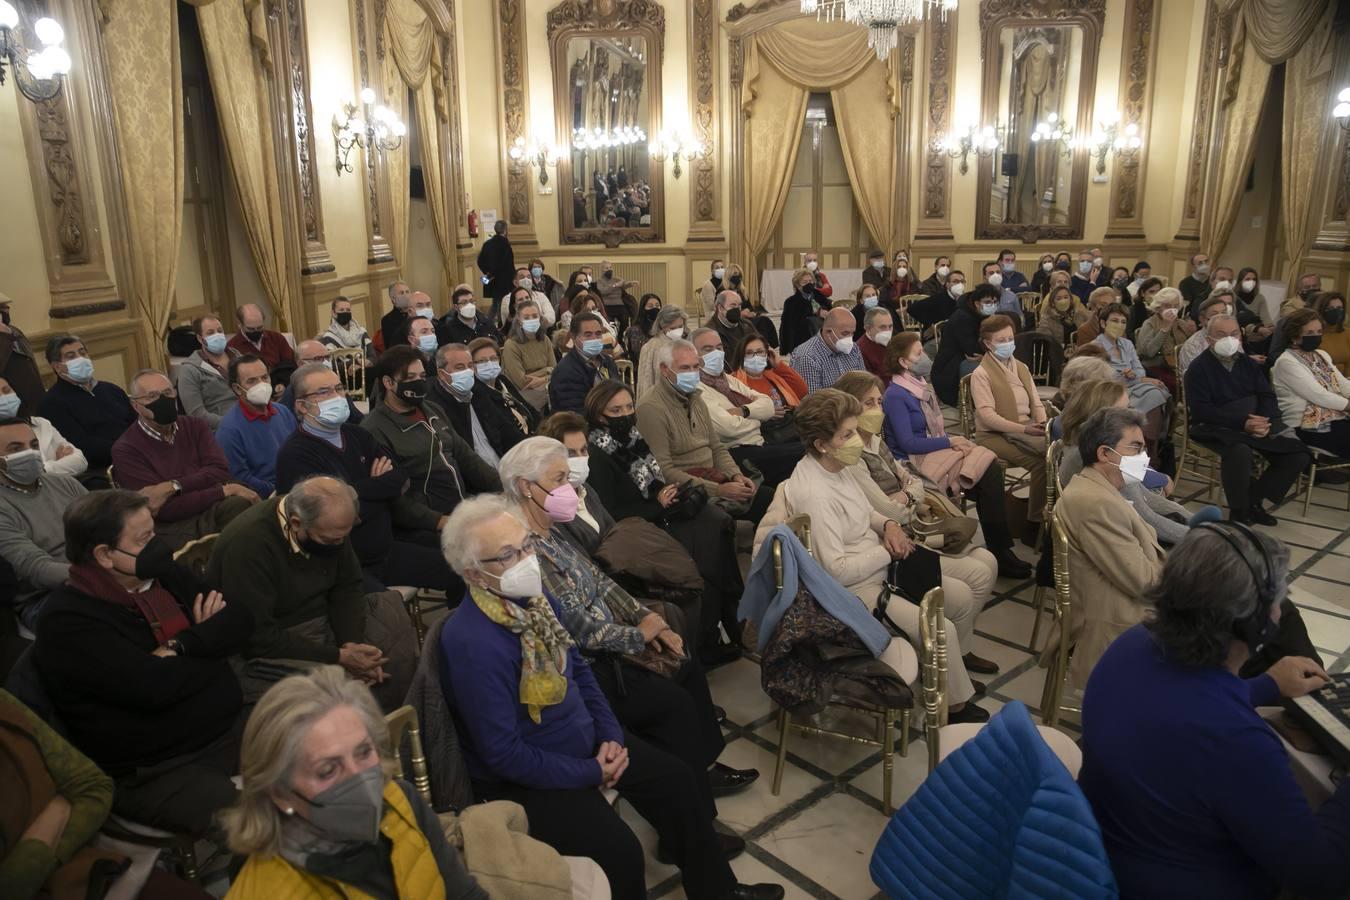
[(529, 326), (713, 361), (592, 348), (427, 343), (426, 312), (756, 365), (1084, 266), (461, 382), (333, 412), (869, 301), (1005, 350), (988, 309), (81, 368), (1008, 267), (537, 272), (488, 371), (215, 343), (686, 382), (9, 405)]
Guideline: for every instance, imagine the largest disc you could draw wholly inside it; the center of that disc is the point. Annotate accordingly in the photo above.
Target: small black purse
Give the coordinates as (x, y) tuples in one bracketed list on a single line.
[(910, 578), (689, 502)]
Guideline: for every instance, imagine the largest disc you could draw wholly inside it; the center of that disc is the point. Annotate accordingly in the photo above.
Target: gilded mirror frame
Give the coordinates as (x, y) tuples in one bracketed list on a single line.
[(995, 15), (617, 19)]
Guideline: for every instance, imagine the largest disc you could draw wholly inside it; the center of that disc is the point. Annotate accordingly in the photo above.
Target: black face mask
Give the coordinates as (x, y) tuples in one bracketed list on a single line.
[(1119, 283), (164, 409), (413, 391), (735, 281), (1335, 316), (806, 290), (253, 336), (1062, 264), (314, 548), (649, 315), (4, 316), (609, 273), (733, 315), (1309, 342), (154, 560), (1308, 294), (343, 318), (622, 426)]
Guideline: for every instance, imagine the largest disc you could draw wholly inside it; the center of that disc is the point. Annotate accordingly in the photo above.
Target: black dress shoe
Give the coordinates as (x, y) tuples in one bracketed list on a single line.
[(1260, 516), (726, 781), (979, 664), (756, 892), (733, 845), (719, 714), (979, 687), (969, 713), (718, 655), (1010, 565)]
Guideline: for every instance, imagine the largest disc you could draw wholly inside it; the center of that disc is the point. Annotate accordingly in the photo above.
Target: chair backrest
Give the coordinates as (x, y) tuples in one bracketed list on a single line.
[(1059, 539), (801, 527), (402, 723), (965, 406), (112, 480), (1040, 362), (350, 366), (196, 554), (937, 331), (1054, 453), (1181, 420), (626, 375), (904, 302), (933, 670)]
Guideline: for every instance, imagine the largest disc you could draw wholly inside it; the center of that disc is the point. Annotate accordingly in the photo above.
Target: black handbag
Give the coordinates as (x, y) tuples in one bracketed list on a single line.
[(782, 430), (689, 502), (910, 578)]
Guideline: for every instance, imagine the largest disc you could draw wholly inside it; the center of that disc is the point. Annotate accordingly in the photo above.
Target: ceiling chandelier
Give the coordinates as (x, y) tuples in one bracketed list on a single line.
[(883, 19)]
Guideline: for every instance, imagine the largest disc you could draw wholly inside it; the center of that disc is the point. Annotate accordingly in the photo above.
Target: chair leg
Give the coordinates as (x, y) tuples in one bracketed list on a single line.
[(904, 732), (784, 729), (1312, 481), (887, 760), (1049, 699), (1037, 602)]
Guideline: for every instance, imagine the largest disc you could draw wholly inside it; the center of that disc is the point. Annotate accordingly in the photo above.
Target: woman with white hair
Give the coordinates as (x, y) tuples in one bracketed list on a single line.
[(668, 327), (1161, 336), (318, 814), (672, 709)]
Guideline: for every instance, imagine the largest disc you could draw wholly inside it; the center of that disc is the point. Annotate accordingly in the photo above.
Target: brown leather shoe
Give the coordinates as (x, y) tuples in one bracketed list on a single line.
[(979, 664)]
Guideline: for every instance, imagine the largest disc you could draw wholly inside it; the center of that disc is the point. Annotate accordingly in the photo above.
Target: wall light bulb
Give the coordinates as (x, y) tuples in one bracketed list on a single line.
[(367, 96), (1343, 96), (1342, 110), (9, 16), (49, 31)]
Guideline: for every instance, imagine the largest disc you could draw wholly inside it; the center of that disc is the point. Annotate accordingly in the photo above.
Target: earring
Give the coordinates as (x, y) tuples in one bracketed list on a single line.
[(290, 810)]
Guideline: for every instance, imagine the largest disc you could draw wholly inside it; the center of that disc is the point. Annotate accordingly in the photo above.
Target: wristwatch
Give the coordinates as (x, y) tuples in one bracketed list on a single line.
[(176, 646), (177, 488), (745, 412)]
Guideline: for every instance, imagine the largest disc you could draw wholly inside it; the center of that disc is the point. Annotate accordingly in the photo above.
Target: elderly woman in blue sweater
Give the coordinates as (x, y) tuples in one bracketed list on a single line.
[(538, 730), (1191, 787)]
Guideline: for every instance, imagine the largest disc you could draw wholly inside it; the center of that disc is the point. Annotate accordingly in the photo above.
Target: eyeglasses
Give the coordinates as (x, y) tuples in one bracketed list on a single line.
[(326, 393), (152, 396), (512, 555)]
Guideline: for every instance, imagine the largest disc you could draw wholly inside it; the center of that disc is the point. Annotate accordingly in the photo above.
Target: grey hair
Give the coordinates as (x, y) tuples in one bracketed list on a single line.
[(1166, 295), (665, 354), (134, 383), (666, 318), (873, 314), (1082, 369), (310, 497), (722, 296), (399, 302), (517, 325), (300, 376), (526, 460), (1104, 428), (446, 349), (1209, 327), (272, 741), (699, 332), (459, 537)]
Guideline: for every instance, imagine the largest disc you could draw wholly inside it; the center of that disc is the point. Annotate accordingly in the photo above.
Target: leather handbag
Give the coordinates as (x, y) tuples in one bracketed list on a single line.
[(690, 499), (910, 578), (939, 524)]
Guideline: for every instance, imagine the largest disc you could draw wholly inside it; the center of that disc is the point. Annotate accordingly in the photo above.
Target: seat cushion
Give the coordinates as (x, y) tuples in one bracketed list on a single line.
[(951, 737)]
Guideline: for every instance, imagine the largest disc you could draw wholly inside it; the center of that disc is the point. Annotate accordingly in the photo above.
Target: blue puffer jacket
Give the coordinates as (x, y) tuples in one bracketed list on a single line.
[(1000, 817)]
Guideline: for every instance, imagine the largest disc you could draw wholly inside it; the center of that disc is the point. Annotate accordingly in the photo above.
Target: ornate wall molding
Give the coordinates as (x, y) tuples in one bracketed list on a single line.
[(510, 26), (704, 210), (740, 10), (1136, 106), (378, 251), (993, 10), (315, 256), (1203, 121), (1333, 209), (609, 15), (940, 48)]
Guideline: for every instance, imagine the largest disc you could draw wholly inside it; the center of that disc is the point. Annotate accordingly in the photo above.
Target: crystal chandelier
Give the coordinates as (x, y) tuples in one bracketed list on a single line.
[(883, 19)]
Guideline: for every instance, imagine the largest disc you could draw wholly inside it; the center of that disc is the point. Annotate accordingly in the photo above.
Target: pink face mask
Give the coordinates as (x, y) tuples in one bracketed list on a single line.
[(561, 503)]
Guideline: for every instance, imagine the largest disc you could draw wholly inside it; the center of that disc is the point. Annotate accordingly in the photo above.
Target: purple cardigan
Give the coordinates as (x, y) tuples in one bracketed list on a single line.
[(906, 428)]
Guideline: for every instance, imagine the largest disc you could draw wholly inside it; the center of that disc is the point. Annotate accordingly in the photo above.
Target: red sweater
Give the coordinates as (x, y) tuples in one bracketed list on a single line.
[(874, 357), (275, 348), (194, 460)]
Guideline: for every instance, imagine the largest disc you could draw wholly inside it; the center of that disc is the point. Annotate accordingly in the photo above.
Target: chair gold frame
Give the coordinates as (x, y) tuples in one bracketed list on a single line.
[(1054, 453), (1181, 436), (196, 554), (933, 671), (1053, 696), (885, 718), (903, 305), (627, 375), (402, 723), (1339, 465), (1030, 302), (965, 409), (350, 366)]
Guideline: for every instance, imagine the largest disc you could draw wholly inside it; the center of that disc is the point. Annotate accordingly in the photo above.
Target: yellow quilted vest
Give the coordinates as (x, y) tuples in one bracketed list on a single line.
[(415, 871)]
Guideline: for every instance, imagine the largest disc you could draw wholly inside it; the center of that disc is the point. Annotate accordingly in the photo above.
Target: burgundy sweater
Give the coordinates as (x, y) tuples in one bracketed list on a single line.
[(194, 460)]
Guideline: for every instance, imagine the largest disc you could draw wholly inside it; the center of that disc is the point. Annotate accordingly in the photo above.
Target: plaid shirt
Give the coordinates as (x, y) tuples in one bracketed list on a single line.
[(820, 367)]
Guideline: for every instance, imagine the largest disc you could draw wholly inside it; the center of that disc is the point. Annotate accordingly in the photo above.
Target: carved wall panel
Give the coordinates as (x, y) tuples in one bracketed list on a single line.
[(316, 258), (704, 209), (940, 48), (1203, 124), (510, 26), (378, 251), (1136, 108)]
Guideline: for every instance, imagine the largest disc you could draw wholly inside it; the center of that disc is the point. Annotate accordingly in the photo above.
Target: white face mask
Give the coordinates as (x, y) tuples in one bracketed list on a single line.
[(1228, 346), (944, 271), (260, 394), (1134, 467), (578, 470), (425, 312), (468, 311), (882, 337), (719, 272), (1047, 266), (843, 345), (1248, 286), (812, 265), (956, 290), (527, 283), (878, 264), (675, 334), (522, 581), (1097, 261), (996, 279), (901, 271)]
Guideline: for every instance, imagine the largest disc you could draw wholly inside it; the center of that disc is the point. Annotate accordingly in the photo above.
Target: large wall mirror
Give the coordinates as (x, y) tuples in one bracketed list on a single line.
[(607, 103), (1040, 75)]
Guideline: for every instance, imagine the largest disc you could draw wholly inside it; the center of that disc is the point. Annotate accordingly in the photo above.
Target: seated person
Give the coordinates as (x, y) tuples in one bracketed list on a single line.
[(253, 432), (1113, 554), (396, 539), (1198, 343), (1060, 316), (254, 338), (728, 318), (537, 729), (674, 420), (422, 335), (1313, 395), (902, 282), (419, 437), (1008, 304), (1195, 287), (316, 353), (344, 332), (675, 714), (1252, 311), (394, 324), (1089, 276), (1084, 367), (1335, 338), (290, 560), (467, 324), (802, 313), (541, 282), (525, 281), (487, 366), (59, 456), (1168, 519), (638, 333), (738, 412), (91, 414), (175, 462), (870, 298), (853, 542), (583, 366), (1161, 336), (960, 349), (626, 477), (716, 283), (1013, 280), (1169, 727), (1009, 417), (314, 740), (878, 329), (1095, 302), (528, 356), (592, 521), (203, 379), (810, 262), (1234, 411), (32, 531), (476, 412), (1040, 279), (1147, 395), (939, 305), (134, 653), (758, 366), (936, 283), (877, 273), (423, 308), (822, 359), (915, 432)]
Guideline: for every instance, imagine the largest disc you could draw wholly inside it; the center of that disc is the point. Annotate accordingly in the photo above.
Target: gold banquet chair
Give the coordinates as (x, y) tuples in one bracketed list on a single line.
[(965, 408), (884, 718), (942, 738), (402, 723), (904, 303), (1052, 698), (1054, 453), (627, 375), (350, 366), (1199, 455)]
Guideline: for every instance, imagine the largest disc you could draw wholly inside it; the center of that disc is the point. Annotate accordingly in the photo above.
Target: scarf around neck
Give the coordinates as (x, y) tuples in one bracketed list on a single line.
[(633, 455), (156, 605), (720, 384), (543, 647), (352, 337), (928, 402)]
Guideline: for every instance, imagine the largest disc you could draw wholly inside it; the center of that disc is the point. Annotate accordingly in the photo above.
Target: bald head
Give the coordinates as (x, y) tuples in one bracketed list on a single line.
[(250, 317), (838, 324), (321, 509), (311, 351)]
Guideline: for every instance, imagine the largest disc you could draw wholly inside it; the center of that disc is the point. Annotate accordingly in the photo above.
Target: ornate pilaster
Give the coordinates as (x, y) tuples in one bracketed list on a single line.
[(935, 190), (315, 258), (1213, 46), (514, 118), (1137, 65), (378, 251), (704, 208)]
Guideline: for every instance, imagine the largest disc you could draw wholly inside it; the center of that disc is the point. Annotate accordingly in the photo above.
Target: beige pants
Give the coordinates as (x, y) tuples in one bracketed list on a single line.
[(1017, 455), (967, 585)]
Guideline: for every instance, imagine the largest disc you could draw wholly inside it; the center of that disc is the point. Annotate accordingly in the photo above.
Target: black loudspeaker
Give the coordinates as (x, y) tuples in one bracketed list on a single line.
[(1009, 166)]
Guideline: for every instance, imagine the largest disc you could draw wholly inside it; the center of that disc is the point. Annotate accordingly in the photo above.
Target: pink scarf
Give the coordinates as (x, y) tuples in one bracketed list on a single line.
[(928, 401)]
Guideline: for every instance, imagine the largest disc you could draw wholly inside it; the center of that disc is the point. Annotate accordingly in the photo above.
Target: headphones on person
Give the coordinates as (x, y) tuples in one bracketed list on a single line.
[(1255, 630)]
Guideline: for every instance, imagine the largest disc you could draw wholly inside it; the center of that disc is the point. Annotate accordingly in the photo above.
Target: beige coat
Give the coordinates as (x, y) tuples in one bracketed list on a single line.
[(1113, 556), (681, 436), (734, 429)]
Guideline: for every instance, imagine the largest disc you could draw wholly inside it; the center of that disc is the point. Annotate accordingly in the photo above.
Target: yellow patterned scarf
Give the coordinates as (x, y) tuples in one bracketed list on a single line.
[(543, 646)]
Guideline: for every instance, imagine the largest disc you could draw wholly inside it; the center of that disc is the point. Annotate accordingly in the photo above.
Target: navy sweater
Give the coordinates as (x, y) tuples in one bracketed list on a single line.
[(1192, 788), (91, 421), (1222, 398)]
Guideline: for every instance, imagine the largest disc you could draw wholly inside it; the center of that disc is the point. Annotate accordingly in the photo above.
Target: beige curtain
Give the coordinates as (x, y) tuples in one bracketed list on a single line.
[(1276, 29), (783, 64), (396, 166), (415, 50), (234, 35), (1306, 84), (140, 39)]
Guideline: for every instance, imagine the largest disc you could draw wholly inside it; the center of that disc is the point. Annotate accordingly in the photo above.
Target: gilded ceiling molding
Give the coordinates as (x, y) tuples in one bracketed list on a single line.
[(1196, 168), (992, 10), (609, 15), (704, 211), (740, 10), (515, 106), (1136, 79), (940, 48)]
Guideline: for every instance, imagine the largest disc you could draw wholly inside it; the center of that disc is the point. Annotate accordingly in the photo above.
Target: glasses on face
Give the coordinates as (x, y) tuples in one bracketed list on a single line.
[(151, 396), (326, 393), (512, 555)]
